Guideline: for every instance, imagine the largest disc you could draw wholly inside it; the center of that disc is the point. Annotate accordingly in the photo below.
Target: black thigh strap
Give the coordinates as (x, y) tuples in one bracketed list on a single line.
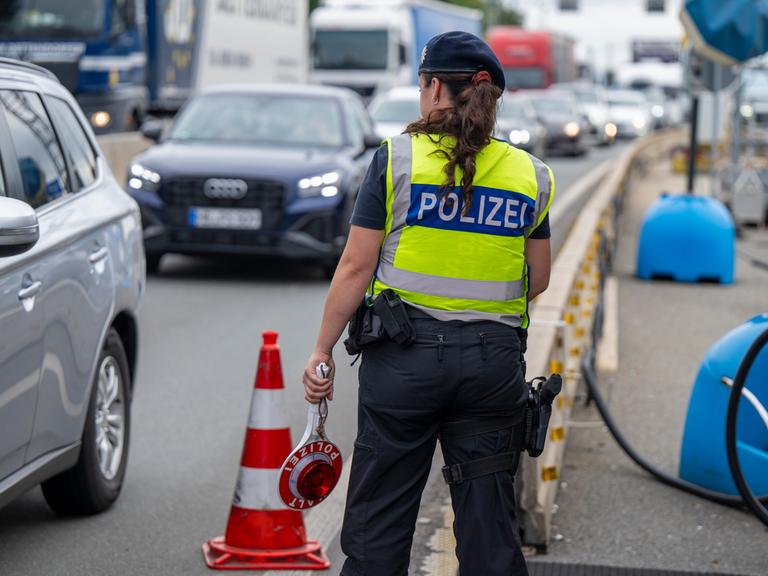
[(459, 473)]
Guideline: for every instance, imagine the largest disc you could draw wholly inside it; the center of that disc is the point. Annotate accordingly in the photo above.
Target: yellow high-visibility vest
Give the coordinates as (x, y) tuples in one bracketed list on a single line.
[(458, 266)]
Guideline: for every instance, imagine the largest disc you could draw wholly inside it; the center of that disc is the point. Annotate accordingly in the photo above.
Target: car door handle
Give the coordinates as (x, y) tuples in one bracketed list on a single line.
[(30, 291), (98, 255)]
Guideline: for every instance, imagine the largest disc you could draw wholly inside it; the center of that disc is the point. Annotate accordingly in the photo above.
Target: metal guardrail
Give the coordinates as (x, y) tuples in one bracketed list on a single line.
[(563, 326)]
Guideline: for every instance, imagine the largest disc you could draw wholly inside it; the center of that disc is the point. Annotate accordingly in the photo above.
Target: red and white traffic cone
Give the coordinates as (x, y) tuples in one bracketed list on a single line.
[(262, 532)]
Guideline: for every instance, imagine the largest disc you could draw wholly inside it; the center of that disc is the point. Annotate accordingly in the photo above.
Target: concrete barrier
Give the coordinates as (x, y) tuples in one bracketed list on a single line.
[(118, 149), (561, 330)]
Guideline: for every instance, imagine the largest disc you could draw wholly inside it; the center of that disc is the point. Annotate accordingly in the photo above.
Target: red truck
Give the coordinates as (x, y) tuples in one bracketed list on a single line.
[(533, 59)]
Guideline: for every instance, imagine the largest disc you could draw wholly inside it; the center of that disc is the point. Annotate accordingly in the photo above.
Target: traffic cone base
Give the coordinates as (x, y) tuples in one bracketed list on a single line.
[(221, 556)]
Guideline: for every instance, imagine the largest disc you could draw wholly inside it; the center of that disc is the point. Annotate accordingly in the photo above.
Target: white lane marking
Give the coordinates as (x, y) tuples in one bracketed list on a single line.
[(267, 410), (256, 489), (587, 183), (608, 348)]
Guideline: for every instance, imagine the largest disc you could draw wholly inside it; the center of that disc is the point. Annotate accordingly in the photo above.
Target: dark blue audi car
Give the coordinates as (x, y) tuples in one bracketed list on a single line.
[(260, 170)]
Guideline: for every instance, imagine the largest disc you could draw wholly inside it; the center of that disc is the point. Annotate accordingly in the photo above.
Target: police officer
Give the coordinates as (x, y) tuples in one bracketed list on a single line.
[(455, 224)]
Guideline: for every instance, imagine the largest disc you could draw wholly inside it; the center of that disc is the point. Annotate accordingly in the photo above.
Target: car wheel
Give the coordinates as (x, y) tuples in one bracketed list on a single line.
[(153, 262), (94, 483)]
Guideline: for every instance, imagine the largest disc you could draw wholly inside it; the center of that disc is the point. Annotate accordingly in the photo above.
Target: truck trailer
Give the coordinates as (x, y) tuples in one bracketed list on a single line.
[(373, 45), (124, 58), (533, 59)]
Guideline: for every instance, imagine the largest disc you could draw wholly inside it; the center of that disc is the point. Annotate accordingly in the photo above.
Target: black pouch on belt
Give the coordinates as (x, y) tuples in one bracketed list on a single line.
[(365, 328), (394, 317)]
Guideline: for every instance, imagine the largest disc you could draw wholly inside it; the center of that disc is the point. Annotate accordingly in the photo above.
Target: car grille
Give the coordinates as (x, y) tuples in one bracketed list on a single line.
[(180, 194)]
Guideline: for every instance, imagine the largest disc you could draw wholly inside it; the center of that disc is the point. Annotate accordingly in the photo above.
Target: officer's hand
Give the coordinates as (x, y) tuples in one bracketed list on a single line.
[(315, 389)]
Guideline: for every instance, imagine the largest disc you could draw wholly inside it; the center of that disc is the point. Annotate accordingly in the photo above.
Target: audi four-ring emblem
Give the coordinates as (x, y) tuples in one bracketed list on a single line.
[(225, 188)]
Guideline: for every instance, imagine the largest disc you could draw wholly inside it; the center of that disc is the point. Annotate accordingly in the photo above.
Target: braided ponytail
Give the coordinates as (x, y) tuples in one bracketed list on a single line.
[(470, 121)]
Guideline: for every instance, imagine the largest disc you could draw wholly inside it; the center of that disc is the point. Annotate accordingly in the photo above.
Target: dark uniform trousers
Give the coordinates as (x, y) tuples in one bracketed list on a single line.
[(453, 371)]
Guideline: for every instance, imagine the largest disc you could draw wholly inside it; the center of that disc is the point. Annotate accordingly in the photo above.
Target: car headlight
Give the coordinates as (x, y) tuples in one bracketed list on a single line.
[(571, 129), (746, 110), (519, 137), (657, 111), (100, 119), (638, 122), (325, 185), (611, 130), (141, 178)]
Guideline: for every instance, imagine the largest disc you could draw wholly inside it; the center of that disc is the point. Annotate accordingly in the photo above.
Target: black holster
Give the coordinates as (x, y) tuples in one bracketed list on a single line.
[(387, 317), (541, 394)]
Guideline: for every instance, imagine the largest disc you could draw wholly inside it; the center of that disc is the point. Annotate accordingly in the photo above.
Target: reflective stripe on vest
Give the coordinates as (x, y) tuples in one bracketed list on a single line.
[(454, 265)]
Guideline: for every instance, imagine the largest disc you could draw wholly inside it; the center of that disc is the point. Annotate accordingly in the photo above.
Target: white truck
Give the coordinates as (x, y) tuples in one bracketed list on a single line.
[(373, 45)]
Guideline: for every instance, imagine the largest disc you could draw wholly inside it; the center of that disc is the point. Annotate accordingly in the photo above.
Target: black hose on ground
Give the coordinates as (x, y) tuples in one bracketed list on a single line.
[(730, 428), (590, 380)]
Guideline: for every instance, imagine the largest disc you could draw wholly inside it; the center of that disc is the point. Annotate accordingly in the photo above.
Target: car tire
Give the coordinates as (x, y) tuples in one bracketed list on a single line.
[(153, 262), (94, 483)]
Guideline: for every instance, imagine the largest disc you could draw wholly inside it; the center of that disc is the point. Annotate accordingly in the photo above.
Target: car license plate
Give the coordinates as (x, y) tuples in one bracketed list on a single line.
[(225, 218)]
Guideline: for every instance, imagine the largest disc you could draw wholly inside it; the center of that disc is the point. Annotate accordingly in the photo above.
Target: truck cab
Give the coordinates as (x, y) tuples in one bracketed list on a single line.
[(371, 46), (366, 49), (96, 48)]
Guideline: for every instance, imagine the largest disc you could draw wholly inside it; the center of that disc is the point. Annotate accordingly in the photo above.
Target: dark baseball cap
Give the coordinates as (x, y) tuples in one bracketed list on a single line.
[(461, 52)]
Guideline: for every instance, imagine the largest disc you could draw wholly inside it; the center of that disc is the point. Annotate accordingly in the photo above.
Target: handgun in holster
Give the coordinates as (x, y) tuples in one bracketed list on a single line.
[(541, 394)]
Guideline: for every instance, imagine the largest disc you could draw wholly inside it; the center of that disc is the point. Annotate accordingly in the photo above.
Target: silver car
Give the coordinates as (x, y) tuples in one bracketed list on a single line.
[(72, 275)]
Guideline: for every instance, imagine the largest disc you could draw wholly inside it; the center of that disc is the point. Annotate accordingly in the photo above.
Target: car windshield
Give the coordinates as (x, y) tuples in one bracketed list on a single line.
[(51, 18), (511, 110), (624, 99), (401, 110), (262, 119), (586, 97), (350, 50), (546, 106)]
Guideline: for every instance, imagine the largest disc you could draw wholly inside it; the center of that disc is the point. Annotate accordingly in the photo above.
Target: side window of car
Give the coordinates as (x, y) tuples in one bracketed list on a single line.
[(363, 117), (41, 163), (355, 130), (79, 151)]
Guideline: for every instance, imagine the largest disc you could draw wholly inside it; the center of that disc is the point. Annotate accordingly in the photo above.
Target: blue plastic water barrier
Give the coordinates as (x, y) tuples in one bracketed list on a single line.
[(687, 239), (703, 458)]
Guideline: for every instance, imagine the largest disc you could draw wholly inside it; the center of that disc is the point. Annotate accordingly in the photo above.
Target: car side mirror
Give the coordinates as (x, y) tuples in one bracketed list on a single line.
[(402, 52), (19, 229), (371, 141), (153, 129)]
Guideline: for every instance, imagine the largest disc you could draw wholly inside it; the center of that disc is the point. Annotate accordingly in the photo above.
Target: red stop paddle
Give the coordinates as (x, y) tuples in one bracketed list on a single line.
[(312, 470)]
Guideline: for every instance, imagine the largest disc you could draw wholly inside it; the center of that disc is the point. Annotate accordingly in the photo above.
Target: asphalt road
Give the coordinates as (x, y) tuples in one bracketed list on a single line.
[(202, 323)]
